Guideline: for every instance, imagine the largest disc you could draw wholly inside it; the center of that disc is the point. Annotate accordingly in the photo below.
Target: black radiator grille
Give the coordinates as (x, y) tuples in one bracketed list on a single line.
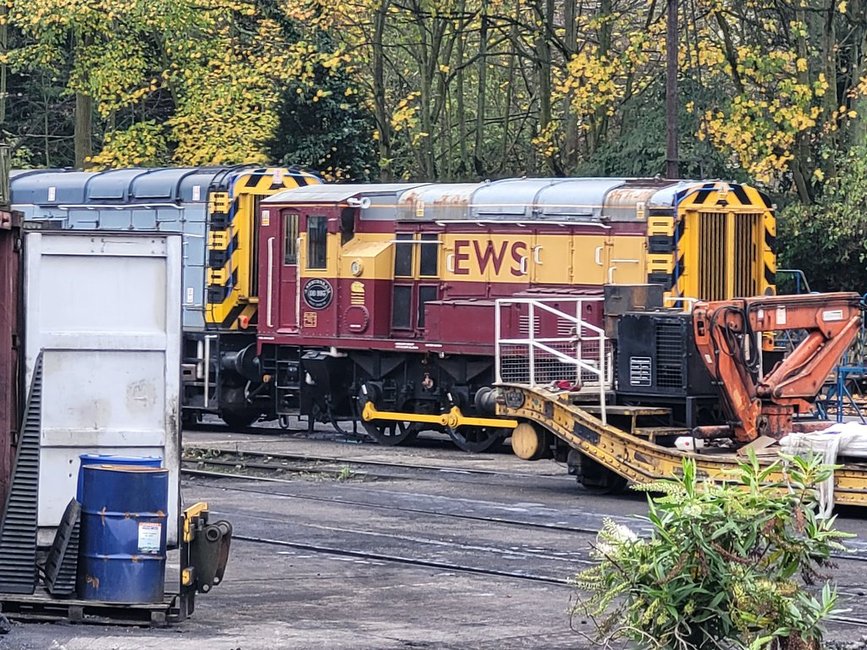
[(670, 339)]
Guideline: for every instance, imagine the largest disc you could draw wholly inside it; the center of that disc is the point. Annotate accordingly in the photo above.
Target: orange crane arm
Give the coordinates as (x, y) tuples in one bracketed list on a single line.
[(725, 337)]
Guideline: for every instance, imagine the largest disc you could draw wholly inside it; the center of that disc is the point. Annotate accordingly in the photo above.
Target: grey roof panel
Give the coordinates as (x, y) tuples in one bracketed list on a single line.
[(514, 197), (173, 185), (49, 187), (112, 185), (437, 202), (576, 198), (337, 193)]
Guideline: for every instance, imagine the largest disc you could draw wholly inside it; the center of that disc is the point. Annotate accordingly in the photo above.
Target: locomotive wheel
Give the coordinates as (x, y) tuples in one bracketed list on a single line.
[(240, 419), (531, 442), (385, 432), (475, 439), (390, 434)]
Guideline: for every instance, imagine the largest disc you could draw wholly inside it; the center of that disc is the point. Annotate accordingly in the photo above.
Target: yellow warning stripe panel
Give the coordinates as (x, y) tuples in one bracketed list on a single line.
[(230, 301), (218, 240), (660, 263), (660, 226)]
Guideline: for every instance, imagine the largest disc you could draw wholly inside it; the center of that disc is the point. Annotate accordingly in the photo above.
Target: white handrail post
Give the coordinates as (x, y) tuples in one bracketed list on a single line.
[(602, 376), (579, 350), (531, 348), (497, 349)]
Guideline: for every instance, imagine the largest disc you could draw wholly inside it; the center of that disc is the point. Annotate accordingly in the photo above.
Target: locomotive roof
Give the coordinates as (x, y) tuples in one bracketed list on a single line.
[(514, 199), (119, 186), (338, 193)]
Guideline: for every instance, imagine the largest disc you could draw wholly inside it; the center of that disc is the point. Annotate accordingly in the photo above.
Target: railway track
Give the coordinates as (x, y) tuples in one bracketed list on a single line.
[(312, 463), (534, 577), (588, 530), (395, 508)]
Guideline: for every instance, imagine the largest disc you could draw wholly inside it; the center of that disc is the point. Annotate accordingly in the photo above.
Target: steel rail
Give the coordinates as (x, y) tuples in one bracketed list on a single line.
[(353, 461), (350, 502), (384, 557), (848, 557)]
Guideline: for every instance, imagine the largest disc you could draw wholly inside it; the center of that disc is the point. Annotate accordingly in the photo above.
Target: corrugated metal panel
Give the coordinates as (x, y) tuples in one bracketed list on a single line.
[(18, 535), (105, 309)]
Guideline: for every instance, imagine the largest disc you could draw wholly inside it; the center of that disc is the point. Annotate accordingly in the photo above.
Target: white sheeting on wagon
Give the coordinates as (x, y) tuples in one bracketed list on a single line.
[(842, 439)]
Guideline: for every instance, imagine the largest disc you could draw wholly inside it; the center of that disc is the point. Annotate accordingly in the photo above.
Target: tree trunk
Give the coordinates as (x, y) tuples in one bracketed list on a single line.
[(829, 36), (83, 129), (543, 71), (801, 171), (461, 117), (570, 134), (380, 111), (478, 158), (83, 134)]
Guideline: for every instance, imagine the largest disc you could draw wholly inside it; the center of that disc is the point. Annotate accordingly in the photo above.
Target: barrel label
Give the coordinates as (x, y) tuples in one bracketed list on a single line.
[(149, 534)]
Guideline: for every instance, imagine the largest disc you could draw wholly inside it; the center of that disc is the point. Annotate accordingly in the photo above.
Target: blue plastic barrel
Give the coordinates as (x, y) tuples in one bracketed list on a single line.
[(100, 459), (122, 549)]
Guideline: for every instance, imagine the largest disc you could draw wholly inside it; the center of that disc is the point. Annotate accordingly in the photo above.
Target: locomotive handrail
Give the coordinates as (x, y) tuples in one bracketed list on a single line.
[(544, 344)]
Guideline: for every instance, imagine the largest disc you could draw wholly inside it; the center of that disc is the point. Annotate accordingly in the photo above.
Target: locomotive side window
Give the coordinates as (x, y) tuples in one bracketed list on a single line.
[(403, 256), (401, 308), (429, 255), (290, 238), (316, 242), (426, 293)]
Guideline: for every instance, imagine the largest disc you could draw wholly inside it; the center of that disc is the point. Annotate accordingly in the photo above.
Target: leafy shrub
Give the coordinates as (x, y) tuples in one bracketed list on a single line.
[(727, 565)]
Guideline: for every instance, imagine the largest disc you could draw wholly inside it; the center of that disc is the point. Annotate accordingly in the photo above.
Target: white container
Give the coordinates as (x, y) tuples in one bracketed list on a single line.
[(105, 310)]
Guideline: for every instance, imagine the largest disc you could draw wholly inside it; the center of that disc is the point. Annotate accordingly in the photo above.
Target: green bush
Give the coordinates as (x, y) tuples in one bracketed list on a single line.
[(727, 565), (827, 239)]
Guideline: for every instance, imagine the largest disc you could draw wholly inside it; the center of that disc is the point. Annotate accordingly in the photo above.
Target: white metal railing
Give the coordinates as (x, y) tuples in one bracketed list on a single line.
[(577, 351)]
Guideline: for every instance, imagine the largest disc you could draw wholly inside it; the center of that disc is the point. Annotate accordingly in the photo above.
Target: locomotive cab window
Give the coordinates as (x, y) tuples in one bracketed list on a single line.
[(429, 255), (290, 238), (403, 255), (317, 242), (347, 225)]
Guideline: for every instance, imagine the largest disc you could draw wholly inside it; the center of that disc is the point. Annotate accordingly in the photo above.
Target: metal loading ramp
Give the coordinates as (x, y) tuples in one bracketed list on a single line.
[(636, 458)]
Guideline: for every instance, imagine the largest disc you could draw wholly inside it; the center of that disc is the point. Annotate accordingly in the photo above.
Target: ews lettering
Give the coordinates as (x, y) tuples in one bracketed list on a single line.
[(490, 255)]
